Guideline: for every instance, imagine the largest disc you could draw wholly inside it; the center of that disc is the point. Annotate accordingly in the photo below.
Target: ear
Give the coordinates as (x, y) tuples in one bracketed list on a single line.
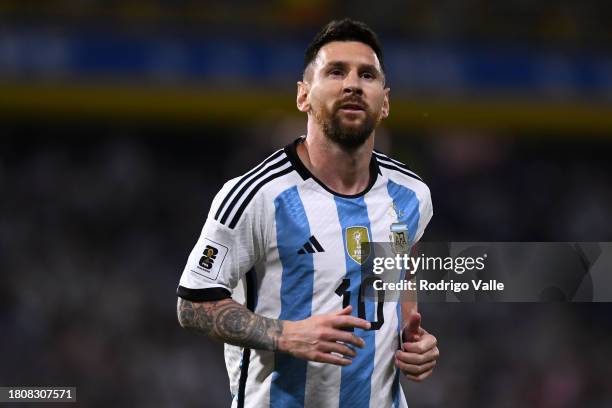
[(385, 107), (302, 100)]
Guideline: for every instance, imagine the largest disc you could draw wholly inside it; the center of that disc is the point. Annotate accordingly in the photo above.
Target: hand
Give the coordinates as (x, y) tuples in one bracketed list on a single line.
[(419, 351), (317, 337)]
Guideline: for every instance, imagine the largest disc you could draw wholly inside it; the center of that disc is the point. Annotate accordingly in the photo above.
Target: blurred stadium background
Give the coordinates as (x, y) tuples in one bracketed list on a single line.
[(119, 120)]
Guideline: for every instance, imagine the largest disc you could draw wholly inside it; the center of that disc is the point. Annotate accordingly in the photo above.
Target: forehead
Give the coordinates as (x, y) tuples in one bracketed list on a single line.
[(350, 52)]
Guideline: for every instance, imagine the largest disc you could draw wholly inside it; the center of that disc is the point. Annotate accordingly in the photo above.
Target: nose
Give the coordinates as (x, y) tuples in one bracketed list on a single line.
[(352, 84)]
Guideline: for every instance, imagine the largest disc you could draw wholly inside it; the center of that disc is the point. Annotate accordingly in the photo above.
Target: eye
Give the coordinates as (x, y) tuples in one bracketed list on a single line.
[(368, 75), (336, 72)]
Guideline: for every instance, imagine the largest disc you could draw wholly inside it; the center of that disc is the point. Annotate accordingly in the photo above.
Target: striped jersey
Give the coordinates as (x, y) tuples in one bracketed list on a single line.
[(283, 244)]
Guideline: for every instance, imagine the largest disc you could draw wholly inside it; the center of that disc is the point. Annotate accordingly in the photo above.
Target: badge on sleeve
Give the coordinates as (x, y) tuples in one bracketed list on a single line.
[(211, 259)]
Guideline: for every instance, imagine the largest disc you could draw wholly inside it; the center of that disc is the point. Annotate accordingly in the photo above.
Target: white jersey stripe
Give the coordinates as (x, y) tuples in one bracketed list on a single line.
[(323, 380)]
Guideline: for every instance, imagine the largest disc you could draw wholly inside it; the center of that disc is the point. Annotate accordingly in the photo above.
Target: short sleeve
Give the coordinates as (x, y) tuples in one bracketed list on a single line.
[(222, 255), (425, 211)]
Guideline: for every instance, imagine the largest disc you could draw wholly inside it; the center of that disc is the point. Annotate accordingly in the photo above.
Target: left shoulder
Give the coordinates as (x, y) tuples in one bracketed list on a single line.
[(401, 179), (399, 172)]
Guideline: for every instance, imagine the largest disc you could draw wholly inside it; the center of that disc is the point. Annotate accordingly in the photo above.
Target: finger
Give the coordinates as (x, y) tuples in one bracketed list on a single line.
[(420, 377), (412, 369), (349, 322), (345, 337), (411, 337), (346, 311), (414, 324), (422, 345), (333, 347), (331, 359), (418, 359)]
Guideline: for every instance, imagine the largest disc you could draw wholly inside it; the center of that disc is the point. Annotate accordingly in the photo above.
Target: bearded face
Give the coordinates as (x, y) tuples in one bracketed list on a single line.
[(344, 92), (348, 123)]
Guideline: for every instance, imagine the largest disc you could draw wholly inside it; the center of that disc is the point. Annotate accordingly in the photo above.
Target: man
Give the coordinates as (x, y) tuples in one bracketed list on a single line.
[(275, 273)]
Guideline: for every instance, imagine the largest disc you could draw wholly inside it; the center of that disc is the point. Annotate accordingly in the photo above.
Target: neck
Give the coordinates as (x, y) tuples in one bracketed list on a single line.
[(343, 171)]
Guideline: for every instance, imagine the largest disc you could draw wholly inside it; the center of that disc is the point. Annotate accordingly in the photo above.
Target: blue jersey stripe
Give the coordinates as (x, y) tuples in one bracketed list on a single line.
[(292, 230), (395, 388), (355, 380), (407, 203)]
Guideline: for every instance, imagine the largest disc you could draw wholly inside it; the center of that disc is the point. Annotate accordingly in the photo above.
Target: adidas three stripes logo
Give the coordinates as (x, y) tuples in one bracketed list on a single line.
[(311, 246)]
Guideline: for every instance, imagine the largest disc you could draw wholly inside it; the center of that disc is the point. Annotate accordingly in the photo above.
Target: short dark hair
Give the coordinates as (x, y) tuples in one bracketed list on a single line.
[(344, 30)]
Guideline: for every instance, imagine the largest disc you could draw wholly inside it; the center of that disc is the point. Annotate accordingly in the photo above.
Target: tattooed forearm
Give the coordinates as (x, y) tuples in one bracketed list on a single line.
[(231, 323)]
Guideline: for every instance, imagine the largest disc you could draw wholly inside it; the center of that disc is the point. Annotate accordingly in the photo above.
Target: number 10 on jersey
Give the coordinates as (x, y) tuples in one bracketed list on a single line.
[(343, 290)]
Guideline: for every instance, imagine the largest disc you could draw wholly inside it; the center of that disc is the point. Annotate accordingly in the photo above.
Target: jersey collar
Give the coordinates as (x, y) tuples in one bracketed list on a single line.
[(291, 151)]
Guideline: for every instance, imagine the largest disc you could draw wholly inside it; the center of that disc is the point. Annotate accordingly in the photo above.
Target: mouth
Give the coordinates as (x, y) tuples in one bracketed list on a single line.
[(352, 107)]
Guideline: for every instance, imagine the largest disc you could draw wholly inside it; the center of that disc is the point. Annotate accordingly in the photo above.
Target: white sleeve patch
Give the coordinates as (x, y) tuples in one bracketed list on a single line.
[(210, 259)]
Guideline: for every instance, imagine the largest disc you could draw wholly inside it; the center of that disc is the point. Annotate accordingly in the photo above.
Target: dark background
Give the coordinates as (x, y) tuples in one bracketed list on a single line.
[(119, 121)]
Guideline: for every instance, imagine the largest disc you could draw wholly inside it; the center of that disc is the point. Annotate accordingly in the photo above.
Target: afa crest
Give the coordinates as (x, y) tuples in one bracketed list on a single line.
[(355, 237), (399, 238)]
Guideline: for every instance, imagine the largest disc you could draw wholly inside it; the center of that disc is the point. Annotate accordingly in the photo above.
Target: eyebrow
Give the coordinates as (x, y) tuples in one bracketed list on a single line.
[(342, 64)]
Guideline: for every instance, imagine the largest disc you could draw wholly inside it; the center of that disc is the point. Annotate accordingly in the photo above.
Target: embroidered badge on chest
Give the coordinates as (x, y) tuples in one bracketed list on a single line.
[(355, 237)]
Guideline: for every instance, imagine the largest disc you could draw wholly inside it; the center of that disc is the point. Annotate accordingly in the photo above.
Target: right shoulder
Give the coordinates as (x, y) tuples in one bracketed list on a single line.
[(239, 193)]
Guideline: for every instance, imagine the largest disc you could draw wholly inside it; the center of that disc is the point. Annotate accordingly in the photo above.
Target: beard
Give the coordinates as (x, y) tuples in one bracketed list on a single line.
[(348, 136)]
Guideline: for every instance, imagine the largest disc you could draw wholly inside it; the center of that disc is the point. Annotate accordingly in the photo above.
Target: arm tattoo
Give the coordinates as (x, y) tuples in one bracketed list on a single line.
[(231, 323)]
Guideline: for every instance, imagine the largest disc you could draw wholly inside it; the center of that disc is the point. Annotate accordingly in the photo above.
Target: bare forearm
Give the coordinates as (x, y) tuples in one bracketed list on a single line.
[(230, 322)]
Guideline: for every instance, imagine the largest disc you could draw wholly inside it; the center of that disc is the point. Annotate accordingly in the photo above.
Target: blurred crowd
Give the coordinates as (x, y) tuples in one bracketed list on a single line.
[(567, 23), (97, 222)]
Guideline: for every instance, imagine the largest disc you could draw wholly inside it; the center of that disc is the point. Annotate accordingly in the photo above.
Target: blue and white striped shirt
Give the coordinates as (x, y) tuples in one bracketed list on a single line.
[(280, 242)]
